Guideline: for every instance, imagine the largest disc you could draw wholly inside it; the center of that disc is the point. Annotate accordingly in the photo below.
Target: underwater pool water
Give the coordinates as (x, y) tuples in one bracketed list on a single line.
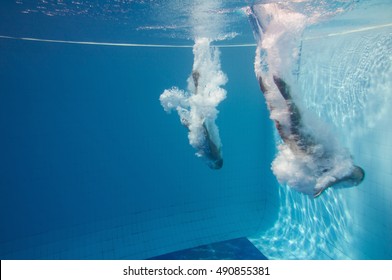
[(92, 167)]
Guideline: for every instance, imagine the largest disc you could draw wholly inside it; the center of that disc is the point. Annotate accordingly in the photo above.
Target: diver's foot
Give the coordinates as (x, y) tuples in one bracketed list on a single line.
[(319, 192)]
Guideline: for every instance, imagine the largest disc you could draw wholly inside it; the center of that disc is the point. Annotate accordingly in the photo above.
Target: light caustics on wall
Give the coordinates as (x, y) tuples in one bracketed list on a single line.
[(354, 93)]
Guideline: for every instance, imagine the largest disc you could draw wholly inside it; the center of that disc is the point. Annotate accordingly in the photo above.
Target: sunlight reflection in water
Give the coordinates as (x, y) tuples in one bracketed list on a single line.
[(307, 228)]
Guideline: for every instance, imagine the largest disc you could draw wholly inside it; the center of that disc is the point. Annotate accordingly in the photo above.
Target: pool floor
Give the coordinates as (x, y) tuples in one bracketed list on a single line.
[(234, 249)]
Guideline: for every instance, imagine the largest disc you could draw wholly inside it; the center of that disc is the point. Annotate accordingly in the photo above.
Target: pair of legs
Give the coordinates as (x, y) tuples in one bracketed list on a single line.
[(300, 143)]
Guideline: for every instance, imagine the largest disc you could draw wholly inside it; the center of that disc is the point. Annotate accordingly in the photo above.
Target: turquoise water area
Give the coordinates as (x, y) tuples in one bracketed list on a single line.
[(92, 167)]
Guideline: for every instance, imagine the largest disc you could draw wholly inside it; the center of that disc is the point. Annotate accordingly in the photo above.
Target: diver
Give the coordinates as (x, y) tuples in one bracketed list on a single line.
[(290, 129), (211, 151), (196, 76), (197, 106), (208, 148)]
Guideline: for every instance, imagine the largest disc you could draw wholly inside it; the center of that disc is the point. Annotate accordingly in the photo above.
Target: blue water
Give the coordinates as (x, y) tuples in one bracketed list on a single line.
[(91, 167)]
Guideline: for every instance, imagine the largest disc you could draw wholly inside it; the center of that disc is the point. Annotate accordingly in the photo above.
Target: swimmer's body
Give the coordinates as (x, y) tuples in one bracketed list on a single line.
[(292, 133), (209, 149)]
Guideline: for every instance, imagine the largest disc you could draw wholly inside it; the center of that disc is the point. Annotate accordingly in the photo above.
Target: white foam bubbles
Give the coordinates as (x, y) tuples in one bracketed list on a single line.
[(197, 107), (308, 173)]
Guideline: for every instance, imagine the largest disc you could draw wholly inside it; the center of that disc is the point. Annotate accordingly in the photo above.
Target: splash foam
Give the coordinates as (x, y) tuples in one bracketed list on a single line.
[(197, 107)]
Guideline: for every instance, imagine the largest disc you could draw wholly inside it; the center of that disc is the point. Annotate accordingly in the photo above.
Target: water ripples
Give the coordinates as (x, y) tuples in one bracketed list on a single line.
[(349, 88), (307, 228)]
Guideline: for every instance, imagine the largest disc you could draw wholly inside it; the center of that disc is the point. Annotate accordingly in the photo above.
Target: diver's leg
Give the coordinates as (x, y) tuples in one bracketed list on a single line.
[(283, 88)]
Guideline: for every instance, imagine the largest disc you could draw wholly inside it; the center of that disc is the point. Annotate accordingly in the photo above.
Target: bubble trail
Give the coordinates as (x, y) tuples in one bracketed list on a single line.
[(197, 107)]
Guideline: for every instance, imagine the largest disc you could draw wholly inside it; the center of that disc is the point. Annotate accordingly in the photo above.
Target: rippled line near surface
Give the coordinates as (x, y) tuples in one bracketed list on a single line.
[(117, 44), (363, 29), (367, 28)]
